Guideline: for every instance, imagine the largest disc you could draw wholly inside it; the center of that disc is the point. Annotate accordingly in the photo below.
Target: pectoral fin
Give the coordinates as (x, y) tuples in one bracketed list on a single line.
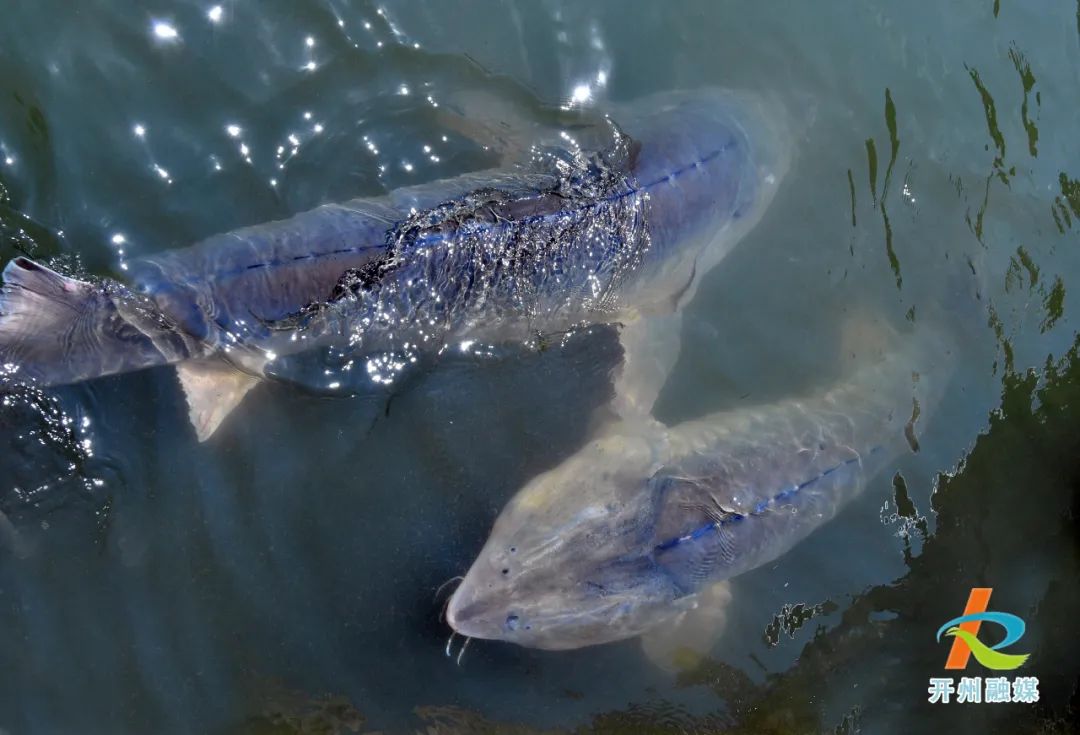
[(680, 643), (213, 390), (650, 349)]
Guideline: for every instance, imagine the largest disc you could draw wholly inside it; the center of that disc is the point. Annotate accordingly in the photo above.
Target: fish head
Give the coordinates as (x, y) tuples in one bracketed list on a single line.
[(570, 561), (708, 163)]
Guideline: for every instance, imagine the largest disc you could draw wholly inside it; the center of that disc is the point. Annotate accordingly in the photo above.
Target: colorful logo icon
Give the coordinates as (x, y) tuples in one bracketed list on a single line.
[(965, 629)]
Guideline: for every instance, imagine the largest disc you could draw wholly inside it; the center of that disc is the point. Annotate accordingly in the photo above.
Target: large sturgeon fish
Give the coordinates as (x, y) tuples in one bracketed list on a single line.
[(610, 224), (642, 527)]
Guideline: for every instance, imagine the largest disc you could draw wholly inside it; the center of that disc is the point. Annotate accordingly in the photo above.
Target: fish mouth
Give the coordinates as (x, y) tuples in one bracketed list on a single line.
[(573, 628)]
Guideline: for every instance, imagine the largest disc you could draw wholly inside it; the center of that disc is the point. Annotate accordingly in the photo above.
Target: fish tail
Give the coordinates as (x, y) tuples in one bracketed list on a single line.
[(56, 330)]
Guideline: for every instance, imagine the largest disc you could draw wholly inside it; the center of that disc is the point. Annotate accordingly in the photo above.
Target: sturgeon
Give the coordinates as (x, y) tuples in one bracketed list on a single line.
[(642, 527), (613, 224)]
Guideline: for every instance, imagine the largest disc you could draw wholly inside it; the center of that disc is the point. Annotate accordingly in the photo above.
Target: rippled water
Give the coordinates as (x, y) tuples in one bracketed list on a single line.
[(284, 576)]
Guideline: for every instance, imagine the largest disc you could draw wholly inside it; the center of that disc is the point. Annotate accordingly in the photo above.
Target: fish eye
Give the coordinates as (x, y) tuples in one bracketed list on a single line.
[(505, 571), (512, 622)]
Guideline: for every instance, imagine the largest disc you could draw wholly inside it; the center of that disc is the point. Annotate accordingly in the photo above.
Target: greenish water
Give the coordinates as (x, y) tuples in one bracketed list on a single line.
[(283, 578)]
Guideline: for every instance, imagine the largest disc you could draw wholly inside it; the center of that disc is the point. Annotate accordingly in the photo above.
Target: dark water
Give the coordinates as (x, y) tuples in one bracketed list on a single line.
[(283, 577)]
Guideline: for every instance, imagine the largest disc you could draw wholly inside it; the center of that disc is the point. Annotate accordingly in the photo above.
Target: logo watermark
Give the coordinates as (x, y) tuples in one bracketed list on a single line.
[(964, 631)]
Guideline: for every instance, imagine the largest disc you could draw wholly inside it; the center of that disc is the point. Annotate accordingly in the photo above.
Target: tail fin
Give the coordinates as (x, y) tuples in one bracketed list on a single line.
[(56, 330)]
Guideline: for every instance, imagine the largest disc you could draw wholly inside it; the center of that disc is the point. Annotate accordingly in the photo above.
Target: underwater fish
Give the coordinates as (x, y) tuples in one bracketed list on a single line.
[(610, 223), (641, 527)]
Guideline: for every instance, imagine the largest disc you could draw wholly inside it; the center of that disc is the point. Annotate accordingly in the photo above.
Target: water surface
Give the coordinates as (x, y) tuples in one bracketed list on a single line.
[(284, 575)]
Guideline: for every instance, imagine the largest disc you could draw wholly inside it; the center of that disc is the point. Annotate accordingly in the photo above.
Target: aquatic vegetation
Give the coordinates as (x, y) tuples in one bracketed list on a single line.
[(1027, 79), (793, 617), (288, 712), (1067, 204), (880, 204)]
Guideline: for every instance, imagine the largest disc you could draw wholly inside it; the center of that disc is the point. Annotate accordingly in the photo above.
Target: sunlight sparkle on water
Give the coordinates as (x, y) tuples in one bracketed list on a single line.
[(165, 31), (582, 93), (215, 13)]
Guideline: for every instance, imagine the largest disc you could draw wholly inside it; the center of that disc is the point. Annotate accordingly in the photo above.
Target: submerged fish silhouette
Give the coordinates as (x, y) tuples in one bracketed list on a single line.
[(640, 526), (611, 225)]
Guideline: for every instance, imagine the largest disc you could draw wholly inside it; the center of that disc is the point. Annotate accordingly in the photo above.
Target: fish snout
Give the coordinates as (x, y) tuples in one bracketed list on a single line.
[(458, 612), (479, 616), (467, 614)]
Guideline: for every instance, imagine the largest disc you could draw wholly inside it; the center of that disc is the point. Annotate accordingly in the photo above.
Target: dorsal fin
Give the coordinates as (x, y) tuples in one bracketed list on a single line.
[(213, 389)]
